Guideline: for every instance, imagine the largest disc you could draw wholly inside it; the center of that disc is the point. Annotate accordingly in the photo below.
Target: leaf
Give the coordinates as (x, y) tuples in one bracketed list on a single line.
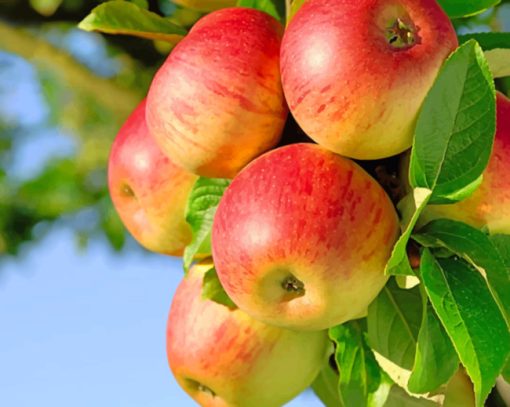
[(361, 382), (465, 8), (295, 5), (394, 319), (455, 128), (470, 316), (488, 40), (141, 3), (497, 51), (434, 353), (213, 290), (275, 8), (325, 387), (122, 17), (202, 203), (398, 397), (410, 208), (475, 247)]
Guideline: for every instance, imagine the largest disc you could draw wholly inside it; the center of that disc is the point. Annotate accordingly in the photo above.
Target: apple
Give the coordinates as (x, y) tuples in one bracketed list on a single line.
[(301, 237), (222, 357), (217, 101), (489, 205), (148, 190), (355, 73)]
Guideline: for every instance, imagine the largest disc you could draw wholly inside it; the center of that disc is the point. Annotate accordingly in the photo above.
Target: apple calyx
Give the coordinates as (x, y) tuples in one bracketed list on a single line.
[(294, 287), (202, 388), (401, 35), (127, 191)]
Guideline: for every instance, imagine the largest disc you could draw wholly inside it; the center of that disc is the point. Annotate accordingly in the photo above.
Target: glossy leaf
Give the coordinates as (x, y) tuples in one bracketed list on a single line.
[(456, 127), (394, 319), (325, 387), (475, 247), (122, 17), (202, 203), (471, 318), (434, 353), (213, 290), (410, 208), (361, 382), (275, 8), (464, 8)]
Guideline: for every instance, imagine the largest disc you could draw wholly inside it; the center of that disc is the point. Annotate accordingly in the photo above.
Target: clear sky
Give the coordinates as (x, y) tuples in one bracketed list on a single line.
[(88, 329)]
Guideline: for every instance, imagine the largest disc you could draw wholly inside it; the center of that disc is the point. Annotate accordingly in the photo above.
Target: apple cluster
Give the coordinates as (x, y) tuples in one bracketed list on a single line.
[(302, 235)]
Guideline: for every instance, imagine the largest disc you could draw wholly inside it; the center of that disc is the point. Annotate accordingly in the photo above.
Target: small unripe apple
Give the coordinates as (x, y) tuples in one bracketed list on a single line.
[(223, 358), (148, 190), (355, 73), (302, 236), (489, 206), (217, 101)]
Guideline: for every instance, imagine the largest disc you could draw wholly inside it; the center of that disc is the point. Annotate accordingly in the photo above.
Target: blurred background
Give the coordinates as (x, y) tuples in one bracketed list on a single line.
[(82, 307)]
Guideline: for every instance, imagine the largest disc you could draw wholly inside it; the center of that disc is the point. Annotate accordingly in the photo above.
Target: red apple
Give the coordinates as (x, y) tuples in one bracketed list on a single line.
[(301, 238), (217, 101), (490, 204), (223, 358), (355, 73), (148, 191)]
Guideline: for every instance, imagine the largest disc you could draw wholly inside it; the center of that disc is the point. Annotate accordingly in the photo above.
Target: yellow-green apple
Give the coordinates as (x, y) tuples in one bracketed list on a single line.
[(301, 238), (147, 189), (355, 73), (217, 101), (223, 358), (489, 205)]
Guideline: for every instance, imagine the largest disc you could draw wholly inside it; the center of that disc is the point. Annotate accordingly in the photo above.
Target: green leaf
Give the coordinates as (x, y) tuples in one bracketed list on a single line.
[(471, 318), (488, 41), (465, 8), (295, 5), (506, 371), (394, 319), (398, 397), (141, 3), (410, 208), (434, 353), (475, 247), (213, 290), (275, 8), (361, 382), (202, 203), (497, 51), (122, 17), (455, 128), (325, 387)]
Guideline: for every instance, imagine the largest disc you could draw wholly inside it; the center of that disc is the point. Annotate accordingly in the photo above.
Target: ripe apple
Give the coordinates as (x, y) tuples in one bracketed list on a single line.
[(301, 238), (490, 203), (355, 73), (148, 191), (222, 357), (217, 101)]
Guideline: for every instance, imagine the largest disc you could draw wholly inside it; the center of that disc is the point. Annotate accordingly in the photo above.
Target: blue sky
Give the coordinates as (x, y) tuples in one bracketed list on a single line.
[(88, 329), (80, 328)]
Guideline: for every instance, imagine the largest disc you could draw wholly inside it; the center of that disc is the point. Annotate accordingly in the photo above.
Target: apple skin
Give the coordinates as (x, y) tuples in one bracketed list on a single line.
[(303, 213), (148, 191), (217, 101), (212, 348), (351, 90), (489, 205)]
